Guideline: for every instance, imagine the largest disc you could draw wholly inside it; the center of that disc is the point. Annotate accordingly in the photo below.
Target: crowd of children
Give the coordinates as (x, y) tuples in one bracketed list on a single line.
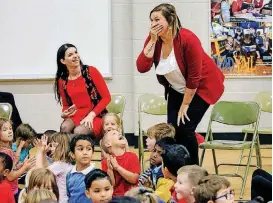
[(57, 167)]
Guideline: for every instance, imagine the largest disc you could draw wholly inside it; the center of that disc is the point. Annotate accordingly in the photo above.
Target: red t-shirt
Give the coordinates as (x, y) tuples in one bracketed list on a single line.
[(6, 194), (128, 161)]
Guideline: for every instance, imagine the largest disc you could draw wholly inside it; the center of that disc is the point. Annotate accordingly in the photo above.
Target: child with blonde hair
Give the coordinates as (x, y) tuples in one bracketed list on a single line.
[(36, 196), (111, 121), (60, 148), (39, 179), (122, 167), (144, 195), (6, 138), (188, 178), (158, 132)]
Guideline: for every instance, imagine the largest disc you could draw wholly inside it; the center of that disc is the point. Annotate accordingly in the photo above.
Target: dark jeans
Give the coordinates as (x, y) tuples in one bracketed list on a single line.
[(185, 133), (261, 185), (6, 97)]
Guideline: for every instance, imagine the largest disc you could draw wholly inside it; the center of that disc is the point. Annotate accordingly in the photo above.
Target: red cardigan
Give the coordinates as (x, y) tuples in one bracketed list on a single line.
[(197, 67)]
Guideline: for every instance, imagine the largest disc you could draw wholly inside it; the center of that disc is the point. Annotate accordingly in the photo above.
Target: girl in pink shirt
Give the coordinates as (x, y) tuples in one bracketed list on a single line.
[(59, 147)]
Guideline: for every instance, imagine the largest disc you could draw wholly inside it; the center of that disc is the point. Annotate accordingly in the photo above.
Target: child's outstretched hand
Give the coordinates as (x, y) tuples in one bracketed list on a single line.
[(29, 163), (41, 144)]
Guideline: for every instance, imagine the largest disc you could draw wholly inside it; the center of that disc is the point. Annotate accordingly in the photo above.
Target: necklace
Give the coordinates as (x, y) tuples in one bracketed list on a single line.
[(72, 78)]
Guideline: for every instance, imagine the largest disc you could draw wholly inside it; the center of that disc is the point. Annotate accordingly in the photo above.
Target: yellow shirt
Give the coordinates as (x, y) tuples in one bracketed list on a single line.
[(163, 187)]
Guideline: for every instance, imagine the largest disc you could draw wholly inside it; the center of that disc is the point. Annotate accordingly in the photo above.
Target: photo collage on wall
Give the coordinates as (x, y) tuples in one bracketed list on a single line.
[(241, 36)]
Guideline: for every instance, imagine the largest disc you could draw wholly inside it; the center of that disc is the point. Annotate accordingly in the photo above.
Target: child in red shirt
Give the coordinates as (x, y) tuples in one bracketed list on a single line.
[(5, 188), (122, 167)]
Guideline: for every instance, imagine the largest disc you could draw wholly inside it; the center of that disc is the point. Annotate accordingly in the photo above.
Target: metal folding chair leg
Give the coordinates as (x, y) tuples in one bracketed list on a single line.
[(214, 161), (241, 156), (258, 152), (141, 151), (246, 172), (202, 157)]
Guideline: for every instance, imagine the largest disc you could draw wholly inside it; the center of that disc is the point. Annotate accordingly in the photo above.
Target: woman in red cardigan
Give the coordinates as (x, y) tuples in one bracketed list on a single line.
[(191, 79), (82, 92)]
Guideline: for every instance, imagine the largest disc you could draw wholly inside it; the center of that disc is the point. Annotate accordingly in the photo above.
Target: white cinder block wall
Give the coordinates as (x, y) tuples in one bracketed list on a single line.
[(130, 26)]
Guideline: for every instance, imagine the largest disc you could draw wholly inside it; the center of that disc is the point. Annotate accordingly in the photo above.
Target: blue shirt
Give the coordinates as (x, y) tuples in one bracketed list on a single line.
[(24, 152), (75, 185)]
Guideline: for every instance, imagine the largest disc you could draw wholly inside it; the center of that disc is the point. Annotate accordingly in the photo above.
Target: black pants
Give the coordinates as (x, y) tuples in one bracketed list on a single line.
[(6, 97), (185, 133), (261, 185)]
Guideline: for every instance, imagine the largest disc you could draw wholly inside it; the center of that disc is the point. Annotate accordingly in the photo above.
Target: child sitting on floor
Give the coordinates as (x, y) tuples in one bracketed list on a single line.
[(158, 132), (111, 121), (122, 167), (187, 179), (6, 138), (150, 177), (39, 179), (213, 189), (173, 158), (24, 136), (98, 186), (60, 156), (82, 148), (5, 189)]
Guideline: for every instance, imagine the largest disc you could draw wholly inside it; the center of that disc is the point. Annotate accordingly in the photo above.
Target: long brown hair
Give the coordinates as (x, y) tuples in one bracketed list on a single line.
[(40, 178), (61, 152), (62, 71), (169, 13)]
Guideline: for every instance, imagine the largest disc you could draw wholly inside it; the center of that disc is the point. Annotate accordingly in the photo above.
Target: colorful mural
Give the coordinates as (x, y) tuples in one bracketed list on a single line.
[(241, 36)]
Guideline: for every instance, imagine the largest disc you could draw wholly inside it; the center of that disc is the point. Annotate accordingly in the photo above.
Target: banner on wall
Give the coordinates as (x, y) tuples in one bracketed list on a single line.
[(241, 36)]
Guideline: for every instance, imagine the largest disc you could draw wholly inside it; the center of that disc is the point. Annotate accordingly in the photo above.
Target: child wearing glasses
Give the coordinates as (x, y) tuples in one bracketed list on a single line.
[(214, 189)]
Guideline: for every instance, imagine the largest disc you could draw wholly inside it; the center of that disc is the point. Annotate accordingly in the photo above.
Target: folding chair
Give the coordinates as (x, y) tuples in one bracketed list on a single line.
[(5, 110), (236, 114), (148, 104), (264, 99), (117, 106)]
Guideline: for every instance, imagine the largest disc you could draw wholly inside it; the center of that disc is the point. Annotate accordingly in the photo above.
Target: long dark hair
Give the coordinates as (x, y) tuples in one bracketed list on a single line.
[(169, 13), (62, 71)]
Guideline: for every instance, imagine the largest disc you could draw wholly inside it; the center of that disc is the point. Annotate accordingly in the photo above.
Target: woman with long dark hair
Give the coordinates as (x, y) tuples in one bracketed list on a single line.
[(82, 92), (191, 79)]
